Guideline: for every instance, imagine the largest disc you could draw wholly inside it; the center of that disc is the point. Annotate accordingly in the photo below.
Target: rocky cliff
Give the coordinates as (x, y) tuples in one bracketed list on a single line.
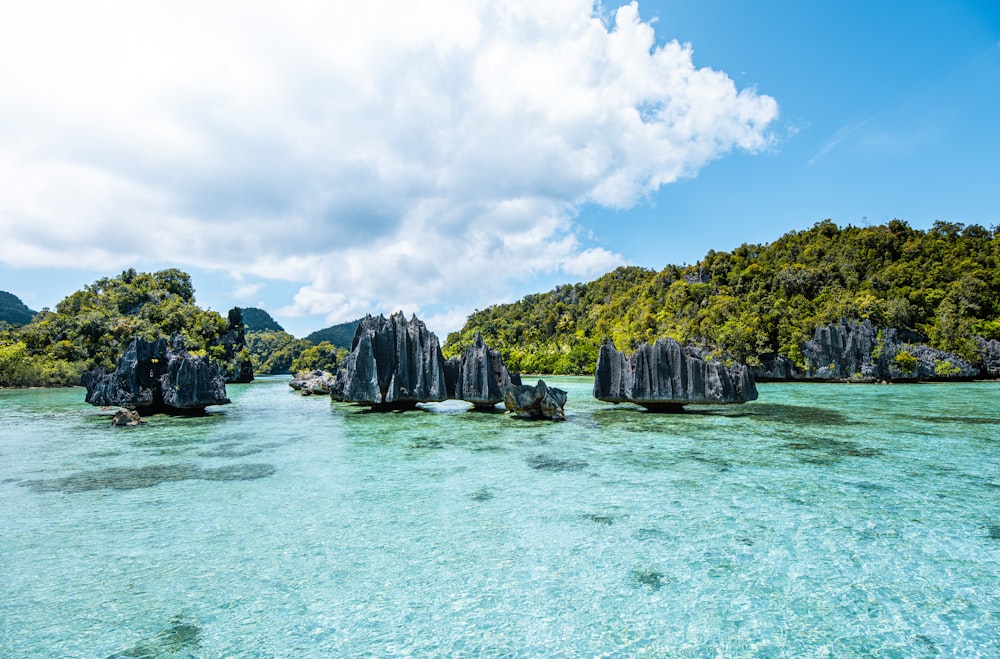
[(479, 375), (235, 366), (666, 376), (393, 364), (860, 351), (990, 351), (154, 378)]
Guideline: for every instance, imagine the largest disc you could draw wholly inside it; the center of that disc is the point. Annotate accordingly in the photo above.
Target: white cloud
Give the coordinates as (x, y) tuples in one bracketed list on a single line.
[(385, 154)]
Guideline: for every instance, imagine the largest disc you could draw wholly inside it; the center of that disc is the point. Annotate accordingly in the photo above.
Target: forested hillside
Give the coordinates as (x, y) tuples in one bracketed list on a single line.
[(339, 335), (942, 284), (258, 320), (92, 326), (13, 311)]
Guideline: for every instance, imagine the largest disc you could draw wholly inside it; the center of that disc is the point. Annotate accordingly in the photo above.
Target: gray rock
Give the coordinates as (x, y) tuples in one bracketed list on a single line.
[(152, 378), (773, 367), (313, 382), (666, 376), (535, 402), (480, 375), (860, 351), (393, 364), (990, 351), (235, 366)]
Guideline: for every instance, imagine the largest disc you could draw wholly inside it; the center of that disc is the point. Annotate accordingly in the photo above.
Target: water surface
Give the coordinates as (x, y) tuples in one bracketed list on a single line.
[(821, 520)]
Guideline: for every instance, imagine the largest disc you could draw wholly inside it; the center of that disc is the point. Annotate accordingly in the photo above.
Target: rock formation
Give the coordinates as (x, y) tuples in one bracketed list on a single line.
[(235, 366), (535, 402), (479, 375), (665, 377), (314, 382), (394, 364), (860, 351), (152, 378), (990, 351), (126, 417)]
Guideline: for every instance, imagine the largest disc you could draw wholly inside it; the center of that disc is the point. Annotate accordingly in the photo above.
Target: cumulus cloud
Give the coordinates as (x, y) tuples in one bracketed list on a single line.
[(384, 154)]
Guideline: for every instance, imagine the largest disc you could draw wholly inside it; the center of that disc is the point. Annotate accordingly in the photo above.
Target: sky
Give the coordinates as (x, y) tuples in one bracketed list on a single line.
[(323, 160)]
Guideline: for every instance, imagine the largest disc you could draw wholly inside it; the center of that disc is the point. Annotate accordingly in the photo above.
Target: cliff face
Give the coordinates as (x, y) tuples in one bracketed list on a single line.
[(236, 366), (990, 350), (860, 351), (666, 376), (152, 378), (479, 375), (394, 363)]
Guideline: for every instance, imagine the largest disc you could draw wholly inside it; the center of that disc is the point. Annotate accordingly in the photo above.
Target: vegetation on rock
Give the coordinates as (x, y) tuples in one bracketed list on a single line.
[(942, 284), (92, 327)]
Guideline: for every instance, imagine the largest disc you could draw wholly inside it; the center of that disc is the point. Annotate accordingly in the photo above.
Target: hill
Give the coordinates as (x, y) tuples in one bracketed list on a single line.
[(91, 328), (13, 311), (339, 335), (258, 320), (942, 285)]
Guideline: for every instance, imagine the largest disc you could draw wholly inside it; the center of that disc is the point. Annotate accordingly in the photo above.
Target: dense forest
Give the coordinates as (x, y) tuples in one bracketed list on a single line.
[(340, 335), (92, 327), (13, 311), (942, 285), (273, 351)]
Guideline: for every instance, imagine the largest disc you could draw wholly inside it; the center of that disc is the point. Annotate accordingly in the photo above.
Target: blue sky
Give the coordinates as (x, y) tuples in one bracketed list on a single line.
[(327, 161)]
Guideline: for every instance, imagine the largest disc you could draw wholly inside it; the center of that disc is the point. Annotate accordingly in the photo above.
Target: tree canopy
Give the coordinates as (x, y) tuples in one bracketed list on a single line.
[(942, 284), (92, 326)]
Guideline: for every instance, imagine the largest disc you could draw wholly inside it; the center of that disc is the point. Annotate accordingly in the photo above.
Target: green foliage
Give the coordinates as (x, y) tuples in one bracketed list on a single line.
[(323, 357), (339, 335), (943, 284), (258, 320), (272, 353), (13, 311), (92, 326), (905, 361), (15, 365), (945, 369)]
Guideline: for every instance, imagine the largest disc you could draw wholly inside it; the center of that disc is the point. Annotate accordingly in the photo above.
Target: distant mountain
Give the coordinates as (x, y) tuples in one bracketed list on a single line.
[(258, 320), (339, 335), (13, 310)]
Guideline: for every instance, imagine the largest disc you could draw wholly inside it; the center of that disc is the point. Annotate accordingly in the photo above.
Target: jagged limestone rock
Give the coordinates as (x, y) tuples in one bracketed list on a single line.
[(535, 402), (990, 351), (235, 366), (860, 351), (394, 364), (481, 375), (666, 376), (152, 378)]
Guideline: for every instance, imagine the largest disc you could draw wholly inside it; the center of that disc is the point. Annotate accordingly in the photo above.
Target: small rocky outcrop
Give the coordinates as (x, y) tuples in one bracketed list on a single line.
[(152, 378), (125, 417), (480, 375), (666, 376), (535, 402), (313, 382), (394, 364), (860, 351)]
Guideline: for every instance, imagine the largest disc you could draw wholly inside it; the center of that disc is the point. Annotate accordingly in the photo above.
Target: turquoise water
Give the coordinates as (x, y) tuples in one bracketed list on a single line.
[(821, 520)]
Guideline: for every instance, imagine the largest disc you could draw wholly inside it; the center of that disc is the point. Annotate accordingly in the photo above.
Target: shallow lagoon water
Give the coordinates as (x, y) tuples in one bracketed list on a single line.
[(821, 520)]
